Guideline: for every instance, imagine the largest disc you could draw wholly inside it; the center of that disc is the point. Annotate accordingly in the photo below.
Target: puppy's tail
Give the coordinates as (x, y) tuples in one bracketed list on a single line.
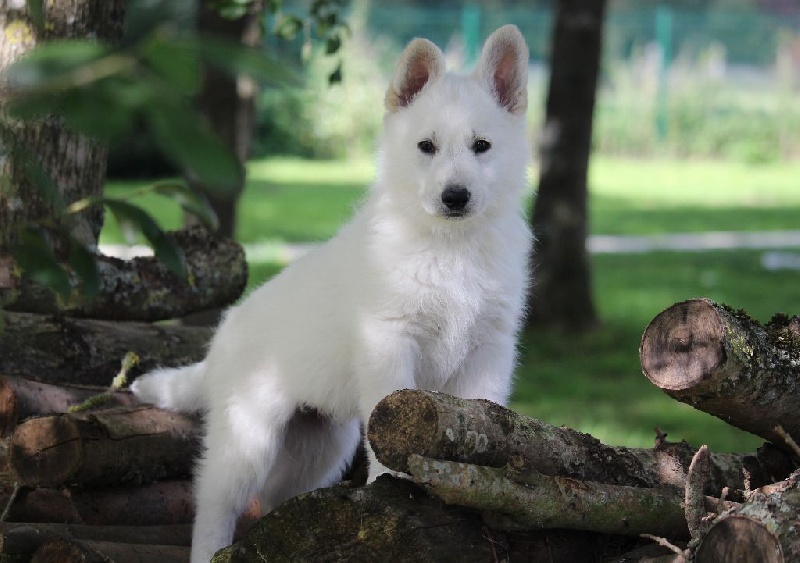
[(175, 389)]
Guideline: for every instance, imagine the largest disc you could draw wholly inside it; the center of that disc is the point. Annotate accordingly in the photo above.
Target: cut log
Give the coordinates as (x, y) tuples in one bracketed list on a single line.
[(724, 363), (395, 520), (109, 447), (144, 289), (540, 501), (21, 398), (64, 350), (19, 541), (154, 504), (479, 432), (765, 529), (172, 534), (80, 551)]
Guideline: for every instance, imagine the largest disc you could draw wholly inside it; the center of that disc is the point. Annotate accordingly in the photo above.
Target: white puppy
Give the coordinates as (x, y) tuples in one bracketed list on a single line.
[(424, 288)]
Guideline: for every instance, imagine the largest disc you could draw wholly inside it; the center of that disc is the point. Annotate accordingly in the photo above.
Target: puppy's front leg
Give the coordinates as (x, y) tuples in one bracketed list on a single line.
[(486, 372), (386, 363)]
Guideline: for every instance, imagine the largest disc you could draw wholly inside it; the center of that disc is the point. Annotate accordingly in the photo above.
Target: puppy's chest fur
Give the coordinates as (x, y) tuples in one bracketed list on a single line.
[(445, 301)]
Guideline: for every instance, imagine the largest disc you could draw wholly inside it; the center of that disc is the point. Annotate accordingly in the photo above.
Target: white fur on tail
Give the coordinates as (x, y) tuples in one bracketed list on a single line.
[(175, 389), (423, 288)]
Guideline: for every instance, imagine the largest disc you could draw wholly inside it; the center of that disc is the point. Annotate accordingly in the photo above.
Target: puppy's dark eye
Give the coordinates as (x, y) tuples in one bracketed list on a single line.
[(426, 147), (480, 146)]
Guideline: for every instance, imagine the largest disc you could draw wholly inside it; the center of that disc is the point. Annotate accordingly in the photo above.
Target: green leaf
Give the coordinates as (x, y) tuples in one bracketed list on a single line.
[(51, 61), (134, 217), (333, 44), (190, 200), (32, 170), (189, 142), (174, 60), (83, 263), (336, 76), (288, 26), (36, 13), (80, 109), (235, 58), (35, 256)]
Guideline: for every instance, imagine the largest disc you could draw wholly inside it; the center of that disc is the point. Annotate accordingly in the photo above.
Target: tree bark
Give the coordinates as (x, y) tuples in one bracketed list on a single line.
[(394, 520), (480, 432), (538, 501), (82, 551), (229, 104), (724, 363), (144, 289), (108, 447), (75, 163), (22, 398), (64, 350), (154, 504), (762, 530), (562, 281)]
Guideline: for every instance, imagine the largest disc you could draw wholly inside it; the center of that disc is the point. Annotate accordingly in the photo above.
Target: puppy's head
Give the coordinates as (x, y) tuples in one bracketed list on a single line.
[(454, 147)]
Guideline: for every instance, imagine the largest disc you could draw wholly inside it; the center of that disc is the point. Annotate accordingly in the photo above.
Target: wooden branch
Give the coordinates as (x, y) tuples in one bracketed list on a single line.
[(21, 398), (154, 504), (693, 497), (81, 551), (541, 501), (723, 362), (126, 445), (395, 520), (480, 432), (64, 350), (762, 530), (144, 289)]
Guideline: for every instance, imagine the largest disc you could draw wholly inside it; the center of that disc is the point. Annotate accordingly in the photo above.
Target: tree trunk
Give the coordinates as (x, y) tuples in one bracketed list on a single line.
[(108, 447), (75, 163), (724, 363), (22, 398), (82, 551), (562, 283), (394, 520), (229, 104), (144, 289), (65, 350), (480, 432), (765, 529)]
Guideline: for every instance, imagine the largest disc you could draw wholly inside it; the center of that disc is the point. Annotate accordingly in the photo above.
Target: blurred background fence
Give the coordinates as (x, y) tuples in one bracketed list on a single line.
[(719, 82)]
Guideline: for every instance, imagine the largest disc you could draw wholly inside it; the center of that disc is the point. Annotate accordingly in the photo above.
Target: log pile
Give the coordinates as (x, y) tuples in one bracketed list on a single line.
[(479, 482)]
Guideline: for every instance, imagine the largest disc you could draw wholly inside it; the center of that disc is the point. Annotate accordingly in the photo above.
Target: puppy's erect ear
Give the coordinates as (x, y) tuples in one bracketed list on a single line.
[(503, 66), (420, 63)]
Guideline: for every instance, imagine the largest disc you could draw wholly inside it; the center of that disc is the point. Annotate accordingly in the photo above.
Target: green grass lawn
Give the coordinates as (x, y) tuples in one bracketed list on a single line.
[(590, 382)]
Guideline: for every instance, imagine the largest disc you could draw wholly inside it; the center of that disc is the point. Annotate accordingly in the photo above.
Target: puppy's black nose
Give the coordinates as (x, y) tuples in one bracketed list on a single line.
[(455, 197)]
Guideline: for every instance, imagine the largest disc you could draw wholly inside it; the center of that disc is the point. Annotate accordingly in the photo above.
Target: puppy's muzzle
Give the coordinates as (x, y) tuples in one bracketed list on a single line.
[(455, 199)]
